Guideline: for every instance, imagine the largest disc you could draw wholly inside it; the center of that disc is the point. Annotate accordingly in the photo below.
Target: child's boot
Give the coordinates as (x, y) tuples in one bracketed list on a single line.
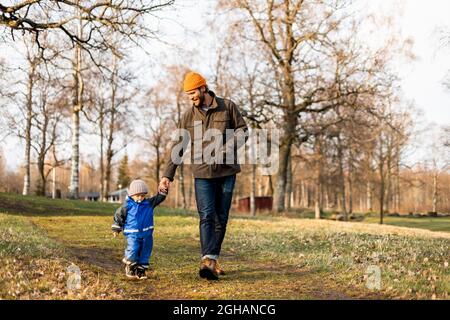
[(130, 270), (140, 272)]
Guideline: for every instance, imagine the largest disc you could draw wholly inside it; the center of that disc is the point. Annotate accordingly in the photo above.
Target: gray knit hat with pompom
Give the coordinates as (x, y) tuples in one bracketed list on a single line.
[(137, 186)]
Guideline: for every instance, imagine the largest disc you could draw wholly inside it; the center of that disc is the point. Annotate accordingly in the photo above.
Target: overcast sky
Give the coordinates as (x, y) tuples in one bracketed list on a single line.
[(421, 79)]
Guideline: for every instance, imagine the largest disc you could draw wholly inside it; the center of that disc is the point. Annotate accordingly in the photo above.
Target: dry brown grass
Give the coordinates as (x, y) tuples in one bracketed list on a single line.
[(265, 258)]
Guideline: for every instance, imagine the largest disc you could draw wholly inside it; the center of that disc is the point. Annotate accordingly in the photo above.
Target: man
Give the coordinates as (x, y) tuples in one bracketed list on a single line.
[(214, 180)]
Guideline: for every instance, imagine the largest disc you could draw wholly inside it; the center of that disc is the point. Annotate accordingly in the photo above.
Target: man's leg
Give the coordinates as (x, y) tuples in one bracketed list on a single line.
[(205, 198), (224, 195)]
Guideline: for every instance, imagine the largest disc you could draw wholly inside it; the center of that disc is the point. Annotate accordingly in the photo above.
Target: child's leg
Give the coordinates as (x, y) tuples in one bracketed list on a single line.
[(146, 252), (133, 248)]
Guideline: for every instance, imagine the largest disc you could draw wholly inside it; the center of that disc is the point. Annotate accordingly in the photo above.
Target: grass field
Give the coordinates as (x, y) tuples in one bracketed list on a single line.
[(432, 224), (427, 223), (265, 257)]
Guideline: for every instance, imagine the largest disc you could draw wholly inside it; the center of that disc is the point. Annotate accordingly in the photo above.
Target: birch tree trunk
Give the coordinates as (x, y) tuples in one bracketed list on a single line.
[(342, 180), (75, 163), (78, 106), (304, 202), (382, 181), (369, 195), (397, 180), (435, 191), (253, 160), (327, 199), (318, 193), (54, 165), (350, 183), (27, 156), (289, 184), (102, 164), (388, 184), (369, 201), (111, 129), (317, 204)]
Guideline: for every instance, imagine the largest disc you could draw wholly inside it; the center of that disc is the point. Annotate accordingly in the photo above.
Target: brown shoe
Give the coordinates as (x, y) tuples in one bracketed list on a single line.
[(219, 270), (208, 269)]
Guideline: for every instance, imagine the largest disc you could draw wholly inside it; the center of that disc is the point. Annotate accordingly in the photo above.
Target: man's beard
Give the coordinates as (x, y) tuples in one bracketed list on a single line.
[(201, 99)]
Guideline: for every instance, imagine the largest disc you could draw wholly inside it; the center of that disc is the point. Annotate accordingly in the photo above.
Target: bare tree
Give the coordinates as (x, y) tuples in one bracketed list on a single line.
[(20, 121), (240, 78), (47, 120), (77, 107), (62, 18), (115, 117), (33, 63), (439, 157), (318, 146), (157, 112), (310, 66), (176, 76), (97, 115), (108, 95), (32, 95), (392, 135)]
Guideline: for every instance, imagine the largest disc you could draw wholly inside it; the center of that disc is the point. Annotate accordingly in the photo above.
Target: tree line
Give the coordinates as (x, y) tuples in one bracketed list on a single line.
[(302, 66)]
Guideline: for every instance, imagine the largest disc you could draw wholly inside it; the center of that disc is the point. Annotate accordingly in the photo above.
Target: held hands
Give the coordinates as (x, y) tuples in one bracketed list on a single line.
[(164, 185)]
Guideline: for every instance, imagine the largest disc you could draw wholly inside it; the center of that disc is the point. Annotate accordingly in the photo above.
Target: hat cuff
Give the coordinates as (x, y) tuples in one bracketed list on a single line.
[(195, 86)]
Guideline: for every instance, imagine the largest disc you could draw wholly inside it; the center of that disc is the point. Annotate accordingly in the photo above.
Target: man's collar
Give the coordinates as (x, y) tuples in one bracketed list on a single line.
[(214, 101), (214, 104)]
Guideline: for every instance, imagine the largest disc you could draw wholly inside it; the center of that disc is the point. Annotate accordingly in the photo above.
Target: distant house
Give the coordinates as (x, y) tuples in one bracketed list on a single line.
[(89, 196), (117, 196), (261, 204)]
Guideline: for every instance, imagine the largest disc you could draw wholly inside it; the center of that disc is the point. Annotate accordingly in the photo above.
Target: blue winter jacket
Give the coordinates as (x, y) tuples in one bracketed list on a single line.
[(133, 217)]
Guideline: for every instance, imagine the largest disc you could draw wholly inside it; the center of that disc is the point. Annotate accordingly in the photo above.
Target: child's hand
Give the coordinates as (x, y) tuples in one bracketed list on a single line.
[(164, 184), (163, 190), (115, 234)]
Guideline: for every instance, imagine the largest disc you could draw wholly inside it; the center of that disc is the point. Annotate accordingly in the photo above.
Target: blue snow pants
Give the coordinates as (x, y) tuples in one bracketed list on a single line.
[(139, 248)]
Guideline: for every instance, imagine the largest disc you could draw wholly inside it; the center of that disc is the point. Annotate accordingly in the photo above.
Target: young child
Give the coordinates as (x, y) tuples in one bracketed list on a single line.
[(135, 219)]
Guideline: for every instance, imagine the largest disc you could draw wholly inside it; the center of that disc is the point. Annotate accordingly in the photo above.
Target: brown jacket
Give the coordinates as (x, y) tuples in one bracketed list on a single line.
[(223, 114)]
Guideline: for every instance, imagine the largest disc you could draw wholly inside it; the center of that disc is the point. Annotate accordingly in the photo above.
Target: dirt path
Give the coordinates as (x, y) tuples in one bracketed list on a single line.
[(264, 258), (87, 242), (103, 258), (291, 283)]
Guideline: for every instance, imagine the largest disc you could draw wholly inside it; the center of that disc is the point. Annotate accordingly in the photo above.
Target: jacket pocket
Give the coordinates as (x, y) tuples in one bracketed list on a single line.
[(221, 122)]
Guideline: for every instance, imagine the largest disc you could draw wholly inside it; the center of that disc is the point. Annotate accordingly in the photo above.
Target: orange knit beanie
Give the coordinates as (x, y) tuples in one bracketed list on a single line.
[(193, 81)]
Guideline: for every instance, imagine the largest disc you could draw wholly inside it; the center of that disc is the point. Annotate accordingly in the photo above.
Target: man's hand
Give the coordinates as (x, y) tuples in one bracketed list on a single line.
[(164, 185)]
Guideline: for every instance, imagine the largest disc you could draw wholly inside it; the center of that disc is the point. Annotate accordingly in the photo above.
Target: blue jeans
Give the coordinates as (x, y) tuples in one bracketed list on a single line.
[(213, 197), (139, 248)]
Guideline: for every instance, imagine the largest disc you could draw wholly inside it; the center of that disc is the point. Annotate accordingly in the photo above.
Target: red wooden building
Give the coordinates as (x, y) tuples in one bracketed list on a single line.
[(261, 204)]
